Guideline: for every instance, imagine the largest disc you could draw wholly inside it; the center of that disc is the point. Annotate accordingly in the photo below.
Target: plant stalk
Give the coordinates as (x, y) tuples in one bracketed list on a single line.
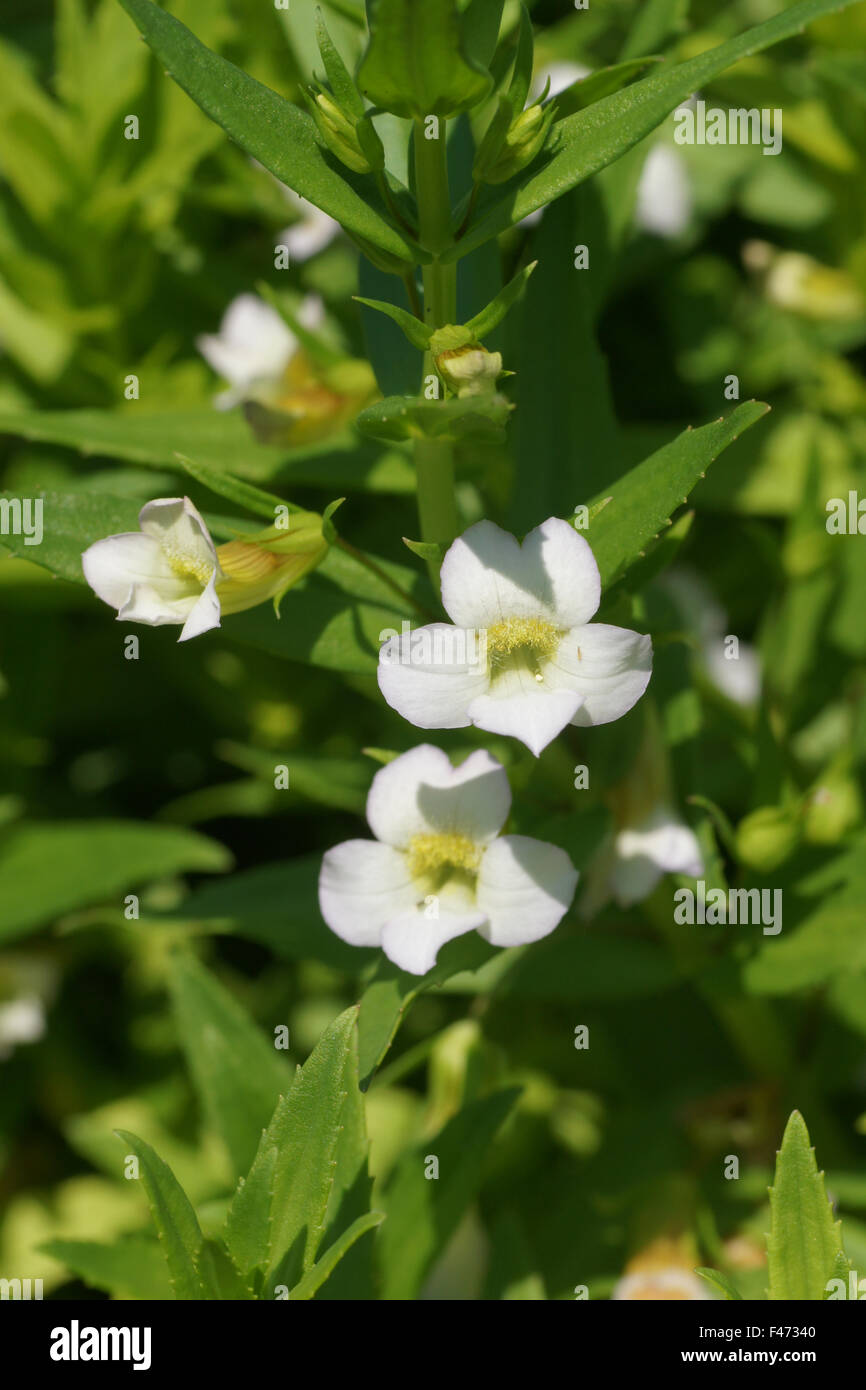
[(434, 458)]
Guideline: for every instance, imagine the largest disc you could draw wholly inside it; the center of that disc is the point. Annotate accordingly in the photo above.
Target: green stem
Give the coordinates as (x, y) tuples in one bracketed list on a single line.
[(434, 458)]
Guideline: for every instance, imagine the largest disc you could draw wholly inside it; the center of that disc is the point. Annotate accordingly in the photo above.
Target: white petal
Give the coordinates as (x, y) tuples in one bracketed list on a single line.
[(667, 841), (112, 567), (633, 878), (659, 844), (609, 666), (525, 887), (421, 793), (412, 940), (664, 198), (253, 342), (363, 885), (487, 576), (423, 679), (205, 615), (180, 529), (156, 607), (737, 677), (312, 233), (518, 705)]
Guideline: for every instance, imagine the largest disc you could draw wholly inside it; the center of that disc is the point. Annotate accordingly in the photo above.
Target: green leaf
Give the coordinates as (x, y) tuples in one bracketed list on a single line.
[(587, 90), (132, 1266), (491, 316), (266, 126), (237, 1072), (217, 440), (340, 81), (717, 1280), (829, 943), (416, 63), (176, 1223), (334, 619), (422, 1212), (481, 21), (324, 1267), (642, 502), (804, 1241), (220, 1274), (48, 869), (391, 991), (418, 333), (411, 417), (565, 436), (588, 141), (276, 905), (278, 1215), (252, 499)]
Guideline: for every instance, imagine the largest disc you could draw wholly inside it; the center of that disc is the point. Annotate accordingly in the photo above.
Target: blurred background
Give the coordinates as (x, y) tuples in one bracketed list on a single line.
[(155, 777)]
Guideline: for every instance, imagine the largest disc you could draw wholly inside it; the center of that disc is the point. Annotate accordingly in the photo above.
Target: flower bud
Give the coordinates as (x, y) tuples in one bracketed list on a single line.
[(767, 837), (464, 364), (833, 809), (265, 565), (522, 141), (353, 141)]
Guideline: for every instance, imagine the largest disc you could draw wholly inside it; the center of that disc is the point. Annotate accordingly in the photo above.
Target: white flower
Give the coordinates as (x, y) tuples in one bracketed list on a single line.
[(544, 665), (659, 844), (311, 233), (735, 671), (664, 196), (437, 869), (254, 345), (21, 1021), (165, 573)]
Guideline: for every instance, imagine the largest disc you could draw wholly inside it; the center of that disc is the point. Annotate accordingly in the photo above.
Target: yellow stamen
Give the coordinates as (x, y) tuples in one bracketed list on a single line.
[(187, 566), (514, 634), (430, 852)]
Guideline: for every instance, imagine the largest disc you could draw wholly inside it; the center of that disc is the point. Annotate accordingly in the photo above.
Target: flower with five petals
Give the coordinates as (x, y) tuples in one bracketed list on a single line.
[(438, 867), (522, 657)]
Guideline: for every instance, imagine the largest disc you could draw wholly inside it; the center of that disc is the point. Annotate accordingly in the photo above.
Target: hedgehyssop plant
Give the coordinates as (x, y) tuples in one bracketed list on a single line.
[(488, 218)]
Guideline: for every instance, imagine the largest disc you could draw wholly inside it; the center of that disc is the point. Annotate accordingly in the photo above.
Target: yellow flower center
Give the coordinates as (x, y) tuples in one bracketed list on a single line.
[(532, 639), (513, 634), (431, 852), (187, 566)]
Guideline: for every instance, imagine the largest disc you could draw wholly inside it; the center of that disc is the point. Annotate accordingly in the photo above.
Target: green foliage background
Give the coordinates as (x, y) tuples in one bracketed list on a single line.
[(156, 776)]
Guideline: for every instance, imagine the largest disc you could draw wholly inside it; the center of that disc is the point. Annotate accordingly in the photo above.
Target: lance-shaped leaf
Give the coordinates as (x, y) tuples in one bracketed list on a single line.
[(590, 140), (176, 1223), (274, 131), (641, 503), (418, 333), (252, 499), (587, 90), (804, 1243), (492, 315), (278, 1216), (324, 1268), (416, 63)]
